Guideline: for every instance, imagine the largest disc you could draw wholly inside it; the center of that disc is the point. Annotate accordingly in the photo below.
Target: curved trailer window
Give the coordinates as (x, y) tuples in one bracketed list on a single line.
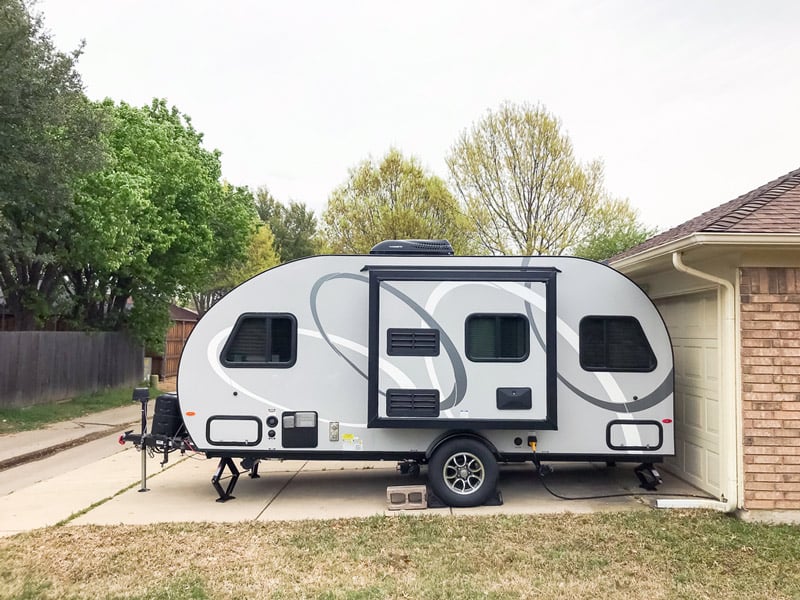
[(262, 340), (614, 344)]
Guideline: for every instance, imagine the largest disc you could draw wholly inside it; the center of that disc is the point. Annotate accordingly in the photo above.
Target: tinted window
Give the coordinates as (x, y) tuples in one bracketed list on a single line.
[(262, 341), (614, 344), (497, 338)]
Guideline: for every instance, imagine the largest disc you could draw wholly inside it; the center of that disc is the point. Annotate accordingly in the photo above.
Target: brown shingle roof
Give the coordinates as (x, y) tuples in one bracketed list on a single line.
[(771, 208), (178, 313)]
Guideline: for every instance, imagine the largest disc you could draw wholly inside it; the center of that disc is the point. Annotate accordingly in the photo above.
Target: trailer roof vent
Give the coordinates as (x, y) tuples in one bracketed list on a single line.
[(414, 248)]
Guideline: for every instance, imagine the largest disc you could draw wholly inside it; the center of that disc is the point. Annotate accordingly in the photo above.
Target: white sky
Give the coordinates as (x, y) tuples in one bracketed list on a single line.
[(689, 104)]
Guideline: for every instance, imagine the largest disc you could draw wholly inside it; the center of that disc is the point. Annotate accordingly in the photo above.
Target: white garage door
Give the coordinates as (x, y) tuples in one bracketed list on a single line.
[(692, 324)]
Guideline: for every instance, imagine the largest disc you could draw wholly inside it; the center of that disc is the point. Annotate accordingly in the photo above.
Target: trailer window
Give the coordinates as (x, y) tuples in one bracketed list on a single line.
[(497, 338), (262, 341), (614, 344)]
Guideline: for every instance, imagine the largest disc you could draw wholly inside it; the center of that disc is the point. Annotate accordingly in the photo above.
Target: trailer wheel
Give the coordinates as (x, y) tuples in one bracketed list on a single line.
[(463, 472)]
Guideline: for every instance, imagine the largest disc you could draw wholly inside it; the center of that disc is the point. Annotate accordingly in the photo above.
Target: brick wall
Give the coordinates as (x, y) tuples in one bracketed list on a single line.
[(771, 387)]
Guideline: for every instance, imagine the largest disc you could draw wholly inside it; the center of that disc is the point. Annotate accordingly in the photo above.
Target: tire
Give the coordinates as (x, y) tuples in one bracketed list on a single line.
[(463, 472)]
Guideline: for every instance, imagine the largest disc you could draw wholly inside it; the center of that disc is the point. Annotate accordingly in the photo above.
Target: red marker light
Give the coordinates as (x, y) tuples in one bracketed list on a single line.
[(122, 440), (666, 421)]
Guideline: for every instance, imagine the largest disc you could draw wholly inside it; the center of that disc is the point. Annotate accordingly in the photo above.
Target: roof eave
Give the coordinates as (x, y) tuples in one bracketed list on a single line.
[(693, 240)]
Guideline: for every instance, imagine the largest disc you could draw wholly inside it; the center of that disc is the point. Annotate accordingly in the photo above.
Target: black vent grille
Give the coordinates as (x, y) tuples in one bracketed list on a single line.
[(412, 403), (412, 342)]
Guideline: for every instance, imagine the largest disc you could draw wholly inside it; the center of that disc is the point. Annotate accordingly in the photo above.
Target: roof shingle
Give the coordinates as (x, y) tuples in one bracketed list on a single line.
[(772, 208)]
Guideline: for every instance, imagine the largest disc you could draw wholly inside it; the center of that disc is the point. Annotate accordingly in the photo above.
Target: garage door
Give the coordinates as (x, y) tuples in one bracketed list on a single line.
[(692, 324)]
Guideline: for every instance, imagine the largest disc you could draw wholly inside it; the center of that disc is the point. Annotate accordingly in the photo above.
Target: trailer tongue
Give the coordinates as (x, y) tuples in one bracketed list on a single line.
[(168, 432)]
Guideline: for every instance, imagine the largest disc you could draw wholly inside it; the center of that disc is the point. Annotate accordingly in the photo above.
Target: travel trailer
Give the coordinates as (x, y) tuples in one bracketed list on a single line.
[(415, 355)]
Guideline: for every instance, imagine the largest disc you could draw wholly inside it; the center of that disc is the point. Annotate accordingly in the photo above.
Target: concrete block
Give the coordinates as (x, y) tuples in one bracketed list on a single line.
[(406, 497)]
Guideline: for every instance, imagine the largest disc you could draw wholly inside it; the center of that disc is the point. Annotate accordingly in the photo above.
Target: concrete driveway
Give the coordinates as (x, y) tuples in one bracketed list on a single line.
[(105, 491)]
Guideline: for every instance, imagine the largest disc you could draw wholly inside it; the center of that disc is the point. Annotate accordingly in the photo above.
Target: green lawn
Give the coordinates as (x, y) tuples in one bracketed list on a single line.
[(642, 554), (34, 417)]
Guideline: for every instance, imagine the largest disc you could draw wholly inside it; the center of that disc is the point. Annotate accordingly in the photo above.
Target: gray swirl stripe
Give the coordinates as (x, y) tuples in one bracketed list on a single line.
[(459, 371), (661, 393), (314, 313)]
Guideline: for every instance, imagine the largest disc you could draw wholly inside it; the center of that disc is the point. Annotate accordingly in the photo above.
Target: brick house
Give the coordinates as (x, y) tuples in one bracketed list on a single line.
[(728, 286)]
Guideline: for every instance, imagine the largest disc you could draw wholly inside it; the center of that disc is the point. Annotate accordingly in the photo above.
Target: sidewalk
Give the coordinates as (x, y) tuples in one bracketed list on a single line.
[(25, 446)]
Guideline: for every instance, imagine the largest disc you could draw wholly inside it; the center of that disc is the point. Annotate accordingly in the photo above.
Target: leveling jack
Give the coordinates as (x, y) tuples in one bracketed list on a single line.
[(248, 464)]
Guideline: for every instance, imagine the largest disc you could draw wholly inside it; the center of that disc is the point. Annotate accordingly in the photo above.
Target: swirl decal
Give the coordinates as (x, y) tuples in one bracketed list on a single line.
[(658, 395), (459, 390)]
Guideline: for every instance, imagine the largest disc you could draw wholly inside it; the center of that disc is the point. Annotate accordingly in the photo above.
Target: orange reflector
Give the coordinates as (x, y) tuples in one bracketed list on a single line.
[(662, 420), (190, 413)]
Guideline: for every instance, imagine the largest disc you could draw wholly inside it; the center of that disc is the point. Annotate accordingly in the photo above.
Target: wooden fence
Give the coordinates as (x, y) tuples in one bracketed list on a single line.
[(47, 366), (166, 364)]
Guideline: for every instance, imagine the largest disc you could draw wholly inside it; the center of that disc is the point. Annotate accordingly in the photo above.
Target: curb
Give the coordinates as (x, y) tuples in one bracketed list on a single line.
[(22, 459)]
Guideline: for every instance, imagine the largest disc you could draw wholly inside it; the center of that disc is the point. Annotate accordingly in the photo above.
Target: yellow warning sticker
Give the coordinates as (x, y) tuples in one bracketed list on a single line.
[(347, 436)]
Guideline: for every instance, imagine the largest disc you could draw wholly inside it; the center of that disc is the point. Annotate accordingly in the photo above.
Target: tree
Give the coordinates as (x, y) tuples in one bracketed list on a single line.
[(154, 224), (522, 185), (613, 227), (259, 257), (393, 199), (294, 226), (49, 135)]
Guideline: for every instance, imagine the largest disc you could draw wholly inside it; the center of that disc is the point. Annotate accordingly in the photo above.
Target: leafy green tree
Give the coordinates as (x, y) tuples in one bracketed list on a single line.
[(154, 224), (613, 227), (294, 226), (49, 135), (522, 185), (259, 257), (393, 199)]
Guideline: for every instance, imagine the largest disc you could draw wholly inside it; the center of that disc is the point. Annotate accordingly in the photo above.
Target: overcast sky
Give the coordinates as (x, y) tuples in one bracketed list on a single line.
[(689, 104)]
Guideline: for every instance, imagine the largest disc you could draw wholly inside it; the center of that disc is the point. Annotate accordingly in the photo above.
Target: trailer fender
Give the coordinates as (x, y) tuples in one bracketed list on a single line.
[(449, 435)]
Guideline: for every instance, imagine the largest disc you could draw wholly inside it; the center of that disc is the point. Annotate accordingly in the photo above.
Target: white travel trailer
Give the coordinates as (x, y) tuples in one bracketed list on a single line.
[(415, 355)]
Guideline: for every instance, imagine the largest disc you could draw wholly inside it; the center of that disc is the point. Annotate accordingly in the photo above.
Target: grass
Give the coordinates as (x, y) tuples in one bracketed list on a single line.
[(39, 415), (641, 554)]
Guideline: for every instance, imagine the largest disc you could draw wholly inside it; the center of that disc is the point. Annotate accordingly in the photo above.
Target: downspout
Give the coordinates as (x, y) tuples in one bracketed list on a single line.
[(730, 437)]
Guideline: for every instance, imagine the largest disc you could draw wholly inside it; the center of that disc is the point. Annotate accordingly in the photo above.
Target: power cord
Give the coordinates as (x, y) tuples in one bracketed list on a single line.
[(542, 471)]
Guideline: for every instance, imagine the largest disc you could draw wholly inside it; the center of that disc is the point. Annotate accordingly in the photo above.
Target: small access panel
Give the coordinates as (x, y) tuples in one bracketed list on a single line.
[(299, 429)]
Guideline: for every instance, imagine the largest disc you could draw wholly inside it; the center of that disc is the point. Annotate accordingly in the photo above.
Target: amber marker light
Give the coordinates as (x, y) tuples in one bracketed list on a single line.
[(190, 413)]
